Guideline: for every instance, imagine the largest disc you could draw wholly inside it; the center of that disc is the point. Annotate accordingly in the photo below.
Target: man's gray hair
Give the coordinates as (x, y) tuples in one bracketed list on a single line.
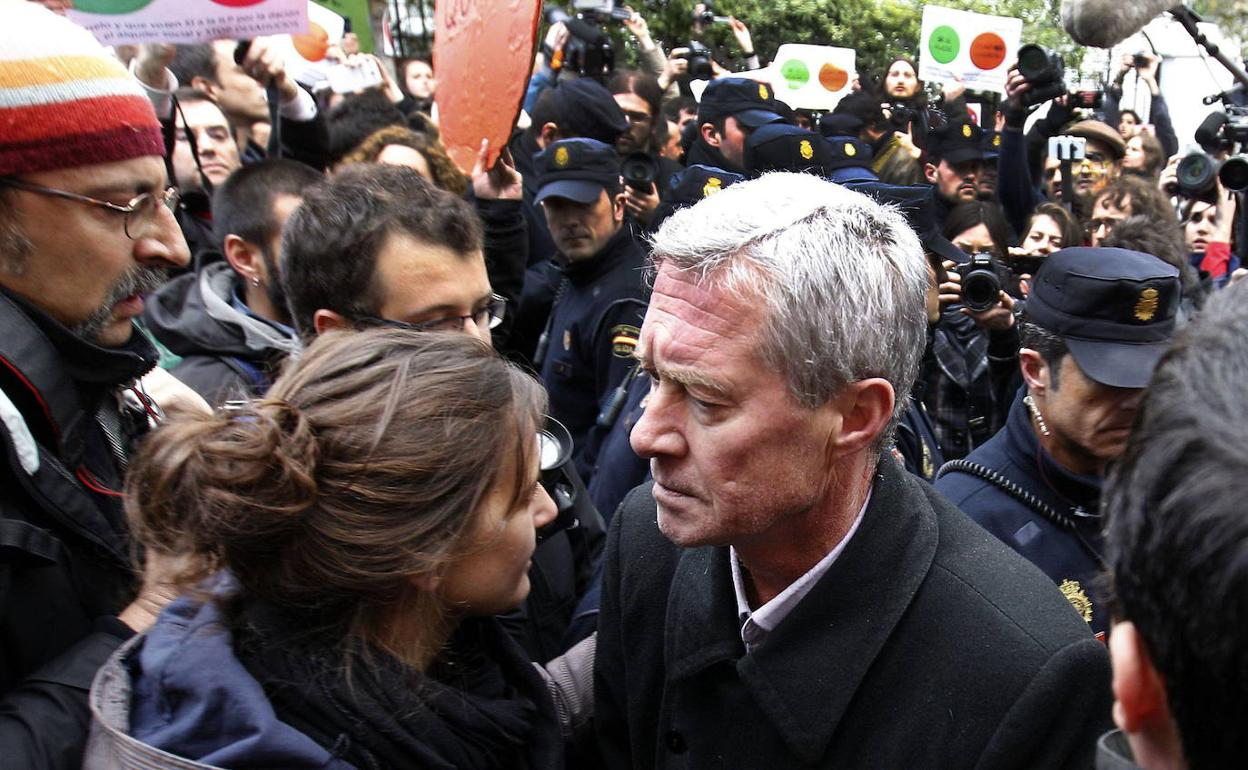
[(842, 279)]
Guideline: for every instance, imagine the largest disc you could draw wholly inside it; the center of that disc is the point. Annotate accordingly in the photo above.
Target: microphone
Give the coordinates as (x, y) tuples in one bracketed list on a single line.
[(1106, 23)]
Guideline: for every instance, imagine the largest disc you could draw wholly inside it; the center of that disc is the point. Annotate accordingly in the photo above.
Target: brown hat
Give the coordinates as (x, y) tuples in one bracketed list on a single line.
[(1095, 129)]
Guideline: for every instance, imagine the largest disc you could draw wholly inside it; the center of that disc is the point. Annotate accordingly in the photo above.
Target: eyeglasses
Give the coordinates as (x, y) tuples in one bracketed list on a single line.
[(139, 213), (491, 315), (637, 117)]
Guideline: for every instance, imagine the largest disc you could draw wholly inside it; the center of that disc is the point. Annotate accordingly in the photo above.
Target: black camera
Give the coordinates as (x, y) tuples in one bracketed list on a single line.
[(1197, 171), (983, 278), (1139, 60), (639, 170), (1044, 70), (706, 16), (699, 58), (562, 482)]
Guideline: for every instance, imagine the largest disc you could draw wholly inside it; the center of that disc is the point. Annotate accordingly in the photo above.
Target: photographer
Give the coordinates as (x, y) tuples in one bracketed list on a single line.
[(639, 96), (1208, 227), (971, 366), (1146, 67)]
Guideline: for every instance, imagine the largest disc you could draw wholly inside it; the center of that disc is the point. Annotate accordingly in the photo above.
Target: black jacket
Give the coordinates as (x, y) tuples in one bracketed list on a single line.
[(227, 353), (65, 550), (927, 644), (1069, 555)]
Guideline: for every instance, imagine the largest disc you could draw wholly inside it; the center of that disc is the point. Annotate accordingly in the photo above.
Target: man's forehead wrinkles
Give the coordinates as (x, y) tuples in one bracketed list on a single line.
[(705, 309)]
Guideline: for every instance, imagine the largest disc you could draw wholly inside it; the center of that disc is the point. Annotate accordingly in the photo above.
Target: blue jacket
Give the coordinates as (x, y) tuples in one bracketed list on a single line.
[(193, 698), (1070, 556)]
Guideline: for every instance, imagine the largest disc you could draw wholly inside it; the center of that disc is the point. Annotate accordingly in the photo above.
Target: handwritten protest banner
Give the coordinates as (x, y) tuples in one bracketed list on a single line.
[(119, 22), (975, 47), (812, 77), (482, 52)]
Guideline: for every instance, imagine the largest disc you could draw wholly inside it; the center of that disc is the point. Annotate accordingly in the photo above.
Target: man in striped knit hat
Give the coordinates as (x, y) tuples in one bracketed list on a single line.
[(85, 231)]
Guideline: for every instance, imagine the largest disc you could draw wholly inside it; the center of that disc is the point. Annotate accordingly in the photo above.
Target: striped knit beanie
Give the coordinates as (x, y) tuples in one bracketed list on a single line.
[(64, 100)]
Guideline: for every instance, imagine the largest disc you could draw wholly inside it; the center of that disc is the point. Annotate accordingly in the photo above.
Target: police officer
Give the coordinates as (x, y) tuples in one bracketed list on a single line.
[(955, 161), (851, 160), (1096, 322), (783, 147), (731, 109), (587, 346)]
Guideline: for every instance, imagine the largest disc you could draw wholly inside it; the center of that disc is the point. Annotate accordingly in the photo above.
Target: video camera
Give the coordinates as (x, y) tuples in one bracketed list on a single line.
[(1219, 132), (588, 52)]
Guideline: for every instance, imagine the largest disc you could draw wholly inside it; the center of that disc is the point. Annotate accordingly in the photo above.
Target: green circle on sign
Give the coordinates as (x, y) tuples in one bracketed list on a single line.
[(795, 73), (944, 44), (110, 6)]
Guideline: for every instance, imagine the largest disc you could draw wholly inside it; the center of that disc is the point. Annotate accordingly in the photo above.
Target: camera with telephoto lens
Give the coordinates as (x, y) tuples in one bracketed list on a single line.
[(639, 171), (588, 51), (699, 58), (1044, 71), (1197, 171), (983, 278)]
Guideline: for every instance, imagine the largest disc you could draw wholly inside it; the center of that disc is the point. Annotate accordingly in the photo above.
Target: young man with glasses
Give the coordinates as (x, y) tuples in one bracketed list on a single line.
[(379, 245), (85, 232)]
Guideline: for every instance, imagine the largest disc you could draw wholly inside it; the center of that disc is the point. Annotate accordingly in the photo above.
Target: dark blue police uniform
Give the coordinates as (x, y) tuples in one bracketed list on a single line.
[(599, 302), (593, 330), (1114, 309), (1066, 546)]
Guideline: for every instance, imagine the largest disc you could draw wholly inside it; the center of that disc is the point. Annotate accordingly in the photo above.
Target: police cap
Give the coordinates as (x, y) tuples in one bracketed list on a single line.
[(577, 169), (1114, 308)]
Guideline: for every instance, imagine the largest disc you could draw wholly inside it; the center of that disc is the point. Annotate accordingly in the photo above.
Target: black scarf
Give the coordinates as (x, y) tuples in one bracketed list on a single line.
[(481, 705)]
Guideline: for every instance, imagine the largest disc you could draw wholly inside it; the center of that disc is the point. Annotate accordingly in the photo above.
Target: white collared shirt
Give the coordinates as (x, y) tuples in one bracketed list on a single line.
[(757, 624)]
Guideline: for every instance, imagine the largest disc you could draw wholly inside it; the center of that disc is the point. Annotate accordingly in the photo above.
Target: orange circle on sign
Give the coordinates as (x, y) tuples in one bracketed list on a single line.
[(832, 77), (314, 45), (988, 51)]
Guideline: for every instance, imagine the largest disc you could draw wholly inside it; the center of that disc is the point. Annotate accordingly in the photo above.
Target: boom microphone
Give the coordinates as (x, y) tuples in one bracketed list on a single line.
[(1106, 23)]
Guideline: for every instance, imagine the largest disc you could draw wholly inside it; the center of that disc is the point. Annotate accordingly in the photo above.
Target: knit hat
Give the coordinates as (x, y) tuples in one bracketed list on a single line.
[(64, 100)]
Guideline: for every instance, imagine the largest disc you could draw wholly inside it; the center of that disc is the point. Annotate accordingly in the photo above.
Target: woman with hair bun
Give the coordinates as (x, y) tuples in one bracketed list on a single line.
[(346, 543)]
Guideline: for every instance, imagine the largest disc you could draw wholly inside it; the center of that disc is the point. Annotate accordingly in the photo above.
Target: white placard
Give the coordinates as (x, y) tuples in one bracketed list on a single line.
[(975, 47), (812, 77), (122, 22)]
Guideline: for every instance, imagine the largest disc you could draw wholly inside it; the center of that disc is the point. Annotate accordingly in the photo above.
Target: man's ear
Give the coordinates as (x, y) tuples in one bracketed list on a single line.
[(244, 257), (1035, 371), (864, 408), (617, 207), (327, 320), (1139, 693), (548, 135), (709, 134), (929, 173)]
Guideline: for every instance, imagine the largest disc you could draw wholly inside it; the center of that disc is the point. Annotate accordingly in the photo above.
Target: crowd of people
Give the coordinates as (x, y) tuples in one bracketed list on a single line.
[(681, 431)]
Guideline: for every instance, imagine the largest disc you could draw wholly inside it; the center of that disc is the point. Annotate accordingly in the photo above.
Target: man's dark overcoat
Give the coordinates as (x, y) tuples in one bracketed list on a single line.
[(927, 644)]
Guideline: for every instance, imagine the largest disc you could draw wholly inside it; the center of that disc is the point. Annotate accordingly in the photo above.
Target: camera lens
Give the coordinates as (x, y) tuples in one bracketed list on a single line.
[(1033, 62), (1234, 173), (639, 170), (1195, 173)]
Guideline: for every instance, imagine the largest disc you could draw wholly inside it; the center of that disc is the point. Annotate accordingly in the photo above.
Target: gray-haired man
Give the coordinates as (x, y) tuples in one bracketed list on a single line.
[(784, 594)]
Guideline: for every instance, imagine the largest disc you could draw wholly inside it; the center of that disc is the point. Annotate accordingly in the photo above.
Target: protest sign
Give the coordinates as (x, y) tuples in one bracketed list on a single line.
[(974, 47), (482, 51), (812, 77), (119, 22)]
